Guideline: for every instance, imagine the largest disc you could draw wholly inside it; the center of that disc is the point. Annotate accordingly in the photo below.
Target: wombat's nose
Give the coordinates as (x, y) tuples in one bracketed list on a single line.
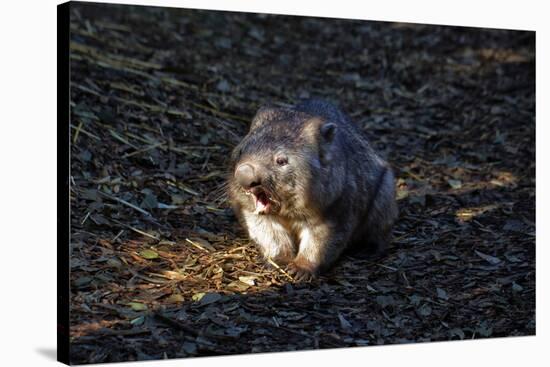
[(246, 176)]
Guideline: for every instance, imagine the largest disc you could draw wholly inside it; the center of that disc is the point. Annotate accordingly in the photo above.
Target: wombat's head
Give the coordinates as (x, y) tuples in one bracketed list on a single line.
[(276, 168)]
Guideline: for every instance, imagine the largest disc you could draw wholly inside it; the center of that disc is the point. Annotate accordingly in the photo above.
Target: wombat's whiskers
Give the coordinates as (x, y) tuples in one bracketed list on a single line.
[(220, 194)]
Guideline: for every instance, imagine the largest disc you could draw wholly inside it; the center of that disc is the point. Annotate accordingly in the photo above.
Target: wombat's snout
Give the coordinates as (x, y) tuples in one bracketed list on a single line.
[(247, 176)]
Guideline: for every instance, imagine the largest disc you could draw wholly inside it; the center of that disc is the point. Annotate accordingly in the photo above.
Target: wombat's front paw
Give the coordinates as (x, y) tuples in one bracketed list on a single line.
[(302, 270)]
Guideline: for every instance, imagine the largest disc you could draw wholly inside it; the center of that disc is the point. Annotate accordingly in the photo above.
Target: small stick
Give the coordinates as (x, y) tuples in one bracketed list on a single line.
[(144, 233), (142, 150), (126, 203), (85, 89), (77, 131), (196, 245), (118, 235), (205, 161), (136, 230), (85, 132), (86, 217), (279, 268), (387, 267), (115, 135)]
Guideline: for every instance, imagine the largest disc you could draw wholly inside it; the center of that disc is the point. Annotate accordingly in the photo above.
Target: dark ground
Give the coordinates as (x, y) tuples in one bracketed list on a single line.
[(159, 266)]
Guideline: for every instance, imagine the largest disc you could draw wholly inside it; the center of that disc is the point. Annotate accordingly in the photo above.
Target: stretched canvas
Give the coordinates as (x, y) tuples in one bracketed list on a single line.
[(154, 263)]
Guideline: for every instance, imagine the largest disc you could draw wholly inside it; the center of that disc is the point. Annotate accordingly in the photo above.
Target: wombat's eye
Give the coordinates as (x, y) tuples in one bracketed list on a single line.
[(281, 161)]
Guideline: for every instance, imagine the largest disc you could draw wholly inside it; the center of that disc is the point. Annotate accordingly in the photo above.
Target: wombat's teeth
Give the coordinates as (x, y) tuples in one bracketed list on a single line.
[(262, 203), (260, 206)]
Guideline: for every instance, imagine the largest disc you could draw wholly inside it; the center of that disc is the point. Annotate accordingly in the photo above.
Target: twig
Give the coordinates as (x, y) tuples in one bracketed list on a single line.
[(121, 139), (75, 137), (85, 132), (146, 278), (113, 59), (118, 235), (279, 268), (85, 218), (205, 161), (136, 230), (197, 245), (387, 267), (126, 203), (142, 150)]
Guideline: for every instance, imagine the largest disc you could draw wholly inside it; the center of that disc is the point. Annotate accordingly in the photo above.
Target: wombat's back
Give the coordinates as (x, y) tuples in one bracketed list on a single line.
[(371, 175), (322, 108)]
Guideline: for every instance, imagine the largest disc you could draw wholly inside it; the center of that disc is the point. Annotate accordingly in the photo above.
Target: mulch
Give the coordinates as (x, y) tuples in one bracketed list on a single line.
[(161, 269)]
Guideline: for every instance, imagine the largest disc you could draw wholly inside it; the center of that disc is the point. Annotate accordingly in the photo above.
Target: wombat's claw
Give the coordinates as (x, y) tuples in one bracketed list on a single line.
[(300, 274)]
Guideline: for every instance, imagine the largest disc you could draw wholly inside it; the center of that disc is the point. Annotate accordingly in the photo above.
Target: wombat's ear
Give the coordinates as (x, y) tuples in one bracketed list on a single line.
[(263, 115), (328, 130), (321, 133), (320, 130)]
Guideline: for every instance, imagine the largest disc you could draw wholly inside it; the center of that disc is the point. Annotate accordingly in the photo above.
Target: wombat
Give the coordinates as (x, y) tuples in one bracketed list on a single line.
[(306, 185)]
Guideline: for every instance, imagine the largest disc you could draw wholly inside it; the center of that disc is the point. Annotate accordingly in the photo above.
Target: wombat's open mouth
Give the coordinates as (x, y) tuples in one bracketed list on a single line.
[(262, 200)]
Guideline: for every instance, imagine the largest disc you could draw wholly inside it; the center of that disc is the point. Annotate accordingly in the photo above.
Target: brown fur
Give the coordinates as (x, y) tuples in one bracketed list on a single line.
[(333, 192)]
